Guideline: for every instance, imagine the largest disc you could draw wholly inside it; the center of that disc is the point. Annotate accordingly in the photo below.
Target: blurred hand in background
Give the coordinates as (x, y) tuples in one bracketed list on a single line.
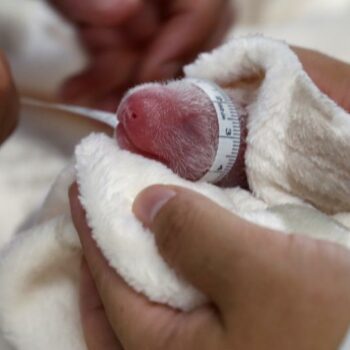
[(134, 41), (9, 104)]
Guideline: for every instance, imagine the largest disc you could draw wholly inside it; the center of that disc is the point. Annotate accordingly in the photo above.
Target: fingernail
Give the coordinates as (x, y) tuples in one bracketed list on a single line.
[(149, 202)]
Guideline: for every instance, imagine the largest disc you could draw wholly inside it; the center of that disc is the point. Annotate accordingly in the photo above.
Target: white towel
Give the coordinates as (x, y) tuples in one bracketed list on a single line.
[(297, 162)]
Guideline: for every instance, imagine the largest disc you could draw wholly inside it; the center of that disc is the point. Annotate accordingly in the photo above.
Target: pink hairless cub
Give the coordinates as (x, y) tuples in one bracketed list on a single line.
[(178, 124)]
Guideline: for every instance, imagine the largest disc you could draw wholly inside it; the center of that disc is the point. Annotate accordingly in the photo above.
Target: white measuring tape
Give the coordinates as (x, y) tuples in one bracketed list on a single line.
[(104, 117), (229, 130)]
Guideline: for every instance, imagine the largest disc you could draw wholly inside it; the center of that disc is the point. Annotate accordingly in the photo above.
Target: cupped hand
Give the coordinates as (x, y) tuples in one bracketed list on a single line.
[(267, 290), (9, 105), (133, 41)]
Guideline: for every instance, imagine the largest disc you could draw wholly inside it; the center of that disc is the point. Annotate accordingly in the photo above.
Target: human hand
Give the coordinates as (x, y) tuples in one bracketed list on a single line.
[(133, 41), (267, 290), (332, 76), (9, 105)]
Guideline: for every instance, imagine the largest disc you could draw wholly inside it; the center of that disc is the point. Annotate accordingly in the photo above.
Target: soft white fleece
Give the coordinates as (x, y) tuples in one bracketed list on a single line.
[(298, 141), (289, 167)]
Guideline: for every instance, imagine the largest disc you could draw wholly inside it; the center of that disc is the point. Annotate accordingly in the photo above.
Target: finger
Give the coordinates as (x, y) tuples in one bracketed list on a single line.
[(9, 102), (109, 71), (126, 309), (97, 330), (187, 28), (96, 38), (134, 33), (208, 245), (98, 12), (222, 30), (145, 24), (114, 293), (137, 322)]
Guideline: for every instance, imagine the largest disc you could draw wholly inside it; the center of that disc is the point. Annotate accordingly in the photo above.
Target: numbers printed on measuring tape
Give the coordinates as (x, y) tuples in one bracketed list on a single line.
[(229, 130)]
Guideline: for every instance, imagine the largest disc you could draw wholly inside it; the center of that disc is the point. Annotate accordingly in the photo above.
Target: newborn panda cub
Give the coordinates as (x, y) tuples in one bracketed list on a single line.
[(176, 124)]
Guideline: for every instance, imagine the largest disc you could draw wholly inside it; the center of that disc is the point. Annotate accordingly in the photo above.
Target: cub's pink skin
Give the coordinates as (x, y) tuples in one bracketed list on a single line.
[(176, 124)]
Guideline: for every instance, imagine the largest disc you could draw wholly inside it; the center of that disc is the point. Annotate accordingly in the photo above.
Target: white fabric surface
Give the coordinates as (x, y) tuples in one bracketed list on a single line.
[(288, 170)]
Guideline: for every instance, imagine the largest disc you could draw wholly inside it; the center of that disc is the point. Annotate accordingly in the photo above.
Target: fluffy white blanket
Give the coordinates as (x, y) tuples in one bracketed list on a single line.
[(298, 167)]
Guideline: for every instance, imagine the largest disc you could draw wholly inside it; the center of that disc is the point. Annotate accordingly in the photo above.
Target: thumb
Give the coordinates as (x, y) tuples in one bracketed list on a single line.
[(212, 248)]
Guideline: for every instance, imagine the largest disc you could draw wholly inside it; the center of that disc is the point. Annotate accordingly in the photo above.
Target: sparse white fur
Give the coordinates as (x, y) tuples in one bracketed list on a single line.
[(200, 158), (186, 153), (39, 270)]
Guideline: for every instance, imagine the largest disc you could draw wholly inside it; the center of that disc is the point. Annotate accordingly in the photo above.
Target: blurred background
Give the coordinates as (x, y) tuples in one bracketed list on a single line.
[(43, 50)]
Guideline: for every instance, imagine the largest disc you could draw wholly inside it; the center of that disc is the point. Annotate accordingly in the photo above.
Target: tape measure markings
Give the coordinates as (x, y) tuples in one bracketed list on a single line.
[(229, 138)]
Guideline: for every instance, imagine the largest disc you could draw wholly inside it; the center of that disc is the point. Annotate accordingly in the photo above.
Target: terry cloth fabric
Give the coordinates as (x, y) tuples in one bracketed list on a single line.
[(297, 163)]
